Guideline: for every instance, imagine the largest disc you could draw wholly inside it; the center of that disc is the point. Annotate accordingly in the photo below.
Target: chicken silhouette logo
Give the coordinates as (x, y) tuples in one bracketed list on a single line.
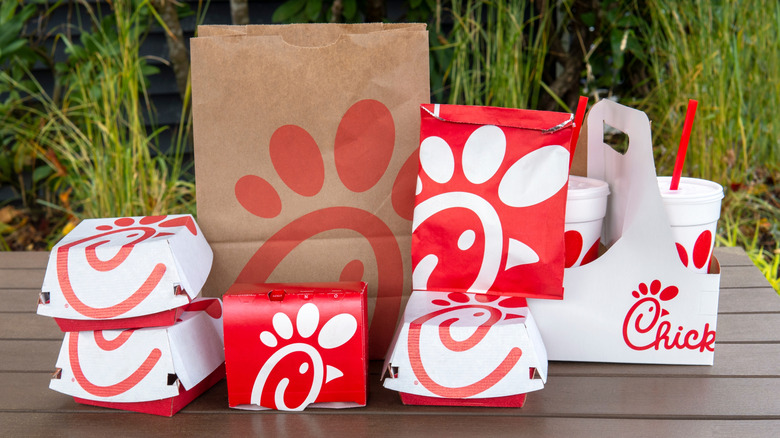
[(700, 254), (299, 366), (364, 147), (574, 245), (648, 324), (101, 345), (434, 332), (127, 272), (487, 206), (288, 346), (143, 365)]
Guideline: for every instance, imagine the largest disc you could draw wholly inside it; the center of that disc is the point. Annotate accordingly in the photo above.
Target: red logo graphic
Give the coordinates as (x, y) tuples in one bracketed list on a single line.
[(458, 307), (109, 345), (645, 328), (701, 250), (303, 361), (364, 146), (574, 244), (129, 233)]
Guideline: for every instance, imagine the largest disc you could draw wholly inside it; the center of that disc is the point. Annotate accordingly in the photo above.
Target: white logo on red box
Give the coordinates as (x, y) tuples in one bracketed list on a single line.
[(300, 362)]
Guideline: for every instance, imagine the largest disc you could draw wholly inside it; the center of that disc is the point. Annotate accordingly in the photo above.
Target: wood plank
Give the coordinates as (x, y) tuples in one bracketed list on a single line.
[(731, 360), (19, 278), (24, 259), (618, 397), (311, 423), (19, 300), (732, 256), (742, 276), (29, 355), (756, 327), (28, 326), (748, 300)]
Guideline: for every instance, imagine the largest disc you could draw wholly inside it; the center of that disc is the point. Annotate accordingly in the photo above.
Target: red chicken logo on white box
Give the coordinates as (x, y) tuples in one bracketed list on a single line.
[(125, 267)]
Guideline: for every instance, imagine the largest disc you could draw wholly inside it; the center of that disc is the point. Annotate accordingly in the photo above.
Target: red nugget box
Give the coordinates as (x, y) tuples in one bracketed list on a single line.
[(289, 346)]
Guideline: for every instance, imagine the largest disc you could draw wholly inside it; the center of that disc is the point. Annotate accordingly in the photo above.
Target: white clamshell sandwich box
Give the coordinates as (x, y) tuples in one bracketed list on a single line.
[(150, 370), (461, 349), (128, 272)]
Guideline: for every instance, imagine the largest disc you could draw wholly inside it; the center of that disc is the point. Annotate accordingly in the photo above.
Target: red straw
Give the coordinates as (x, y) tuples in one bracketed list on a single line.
[(686, 135), (579, 116)]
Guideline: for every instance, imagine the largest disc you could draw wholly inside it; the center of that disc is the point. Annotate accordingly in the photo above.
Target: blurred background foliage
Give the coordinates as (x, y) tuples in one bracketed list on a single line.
[(81, 135)]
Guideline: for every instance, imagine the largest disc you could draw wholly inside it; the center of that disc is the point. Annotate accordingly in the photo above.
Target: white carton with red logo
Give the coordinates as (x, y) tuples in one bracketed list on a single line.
[(455, 348), (293, 345), (636, 303), (151, 370), (125, 272)]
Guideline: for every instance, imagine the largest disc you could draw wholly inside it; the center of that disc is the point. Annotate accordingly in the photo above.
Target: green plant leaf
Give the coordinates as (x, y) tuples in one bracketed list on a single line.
[(350, 9), (41, 173), (589, 18), (288, 10), (13, 47), (313, 8)]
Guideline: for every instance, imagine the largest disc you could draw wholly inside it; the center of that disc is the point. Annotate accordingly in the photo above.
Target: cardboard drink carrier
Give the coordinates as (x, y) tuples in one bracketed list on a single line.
[(294, 345), (150, 370), (636, 303), (305, 155), (488, 232), (129, 272)]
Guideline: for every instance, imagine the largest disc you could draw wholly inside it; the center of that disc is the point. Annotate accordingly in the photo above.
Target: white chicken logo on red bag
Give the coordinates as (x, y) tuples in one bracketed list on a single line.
[(489, 209)]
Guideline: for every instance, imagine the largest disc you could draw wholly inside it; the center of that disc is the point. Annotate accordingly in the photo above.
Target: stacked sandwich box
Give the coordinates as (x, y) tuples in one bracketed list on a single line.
[(123, 290)]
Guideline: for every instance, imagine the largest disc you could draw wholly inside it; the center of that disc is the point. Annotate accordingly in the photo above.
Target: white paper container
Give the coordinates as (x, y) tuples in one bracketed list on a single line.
[(622, 307), (117, 268), (140, 365), (423, 363), (586, 205), (693, 211)]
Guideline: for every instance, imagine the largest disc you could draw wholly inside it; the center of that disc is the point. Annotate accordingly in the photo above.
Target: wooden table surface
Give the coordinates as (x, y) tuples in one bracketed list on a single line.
[(739, 396)]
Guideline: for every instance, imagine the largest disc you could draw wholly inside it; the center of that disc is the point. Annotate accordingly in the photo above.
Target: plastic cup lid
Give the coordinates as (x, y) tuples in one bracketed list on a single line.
[(691, 191), (586, 188)]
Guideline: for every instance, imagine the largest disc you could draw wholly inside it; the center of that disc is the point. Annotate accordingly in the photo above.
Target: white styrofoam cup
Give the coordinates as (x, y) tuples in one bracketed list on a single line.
[(586, 205), (693, 210)]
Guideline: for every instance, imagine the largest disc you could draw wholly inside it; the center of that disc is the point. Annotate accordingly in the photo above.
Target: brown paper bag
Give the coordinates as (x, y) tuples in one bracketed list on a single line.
[(305, 163)]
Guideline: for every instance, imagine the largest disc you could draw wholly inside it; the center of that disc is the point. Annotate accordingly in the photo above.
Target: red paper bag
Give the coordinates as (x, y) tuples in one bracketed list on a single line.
[(490, 201)]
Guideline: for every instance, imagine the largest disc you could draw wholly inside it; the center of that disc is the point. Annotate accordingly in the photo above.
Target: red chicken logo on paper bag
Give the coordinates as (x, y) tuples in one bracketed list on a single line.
[(489, 210), (109, 256), (364, 147)]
